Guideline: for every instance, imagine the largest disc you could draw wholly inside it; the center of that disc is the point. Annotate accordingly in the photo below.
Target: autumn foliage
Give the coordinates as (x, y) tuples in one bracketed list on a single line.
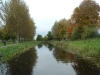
[(84, 22), (59, 29), (18, 25)]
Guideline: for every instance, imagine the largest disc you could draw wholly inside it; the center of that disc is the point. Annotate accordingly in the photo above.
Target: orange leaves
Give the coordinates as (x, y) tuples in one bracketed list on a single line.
[(86, 14)]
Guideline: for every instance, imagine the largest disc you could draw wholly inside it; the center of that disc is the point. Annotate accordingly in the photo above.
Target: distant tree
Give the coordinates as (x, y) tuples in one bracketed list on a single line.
[(55, 30), (40, 45), (59, 29), (49, 36), (39, 38), (62, 33), (86, 18), (45, 38)]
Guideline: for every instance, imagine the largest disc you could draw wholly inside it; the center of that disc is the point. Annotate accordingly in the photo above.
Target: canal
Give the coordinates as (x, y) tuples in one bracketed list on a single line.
[(45, 59)]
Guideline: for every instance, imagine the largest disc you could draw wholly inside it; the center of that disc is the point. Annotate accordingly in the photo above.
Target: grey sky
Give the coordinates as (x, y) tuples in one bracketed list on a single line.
[(46, 12)]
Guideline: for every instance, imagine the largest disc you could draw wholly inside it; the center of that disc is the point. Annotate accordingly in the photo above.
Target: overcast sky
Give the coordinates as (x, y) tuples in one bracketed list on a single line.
[(46, 12)]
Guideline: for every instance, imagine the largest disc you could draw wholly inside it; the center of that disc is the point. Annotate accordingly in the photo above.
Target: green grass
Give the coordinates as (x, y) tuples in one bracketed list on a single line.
[(7, 43), (10, 52), (1, 44), (88, 49)]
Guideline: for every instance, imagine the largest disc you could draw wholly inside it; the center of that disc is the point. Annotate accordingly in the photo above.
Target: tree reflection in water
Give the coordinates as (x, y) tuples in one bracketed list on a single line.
[(82, 67), (40, 45), (60, 55), (50, 46), (24, 64)]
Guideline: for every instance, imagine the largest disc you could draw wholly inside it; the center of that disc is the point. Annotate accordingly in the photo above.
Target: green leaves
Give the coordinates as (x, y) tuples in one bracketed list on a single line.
[(59, 30), (39, 37), (49, 35)]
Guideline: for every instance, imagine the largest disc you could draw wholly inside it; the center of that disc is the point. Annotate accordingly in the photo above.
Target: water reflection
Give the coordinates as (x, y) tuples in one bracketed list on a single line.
[(4, 68), (40, 45), (82, 67), (24, 64), (51, 61), (47, 65), (50, 46), (60, 55)]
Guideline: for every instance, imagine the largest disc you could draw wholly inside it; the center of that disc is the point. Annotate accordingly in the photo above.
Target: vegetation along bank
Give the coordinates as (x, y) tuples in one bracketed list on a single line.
[(88, 49), (10, 52)]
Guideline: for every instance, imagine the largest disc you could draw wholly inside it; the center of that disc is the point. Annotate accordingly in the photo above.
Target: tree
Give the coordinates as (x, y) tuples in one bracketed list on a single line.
[(45, 38), (55, 30), (1, 12), (59, 29), (0, 32), (39, 37), (86, 16), (49, 35), (70, 30), (18, 21)]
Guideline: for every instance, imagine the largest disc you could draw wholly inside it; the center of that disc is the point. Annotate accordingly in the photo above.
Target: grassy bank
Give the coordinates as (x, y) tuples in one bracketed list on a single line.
[(7, 43), (12, 51), (88, 49)]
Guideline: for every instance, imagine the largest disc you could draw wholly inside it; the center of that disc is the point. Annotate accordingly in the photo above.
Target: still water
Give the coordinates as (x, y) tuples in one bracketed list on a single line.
[(45, 59)]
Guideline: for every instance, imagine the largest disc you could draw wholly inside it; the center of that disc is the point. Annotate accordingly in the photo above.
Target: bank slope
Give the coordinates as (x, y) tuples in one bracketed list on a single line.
[(12, 51), (87, 49)]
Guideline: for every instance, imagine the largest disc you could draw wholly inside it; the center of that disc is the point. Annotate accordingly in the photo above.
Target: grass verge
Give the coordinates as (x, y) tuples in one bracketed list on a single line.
[(7, 43), (88, 49), (10, 52)]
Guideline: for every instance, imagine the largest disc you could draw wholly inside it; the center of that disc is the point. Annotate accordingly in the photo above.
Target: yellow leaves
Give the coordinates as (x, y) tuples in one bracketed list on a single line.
[(18, 20), (60, 28)]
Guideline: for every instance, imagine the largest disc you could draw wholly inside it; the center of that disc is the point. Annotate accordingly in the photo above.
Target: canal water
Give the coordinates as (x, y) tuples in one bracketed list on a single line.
[(45, 59)]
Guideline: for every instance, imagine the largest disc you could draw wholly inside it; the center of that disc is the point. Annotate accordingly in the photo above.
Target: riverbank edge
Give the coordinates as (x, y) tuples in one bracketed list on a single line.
[(67, 47), (13, 51)]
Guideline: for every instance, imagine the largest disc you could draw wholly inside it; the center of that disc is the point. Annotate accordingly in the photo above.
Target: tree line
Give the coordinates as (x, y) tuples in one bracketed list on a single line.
[(83, 24), (16, 21)]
